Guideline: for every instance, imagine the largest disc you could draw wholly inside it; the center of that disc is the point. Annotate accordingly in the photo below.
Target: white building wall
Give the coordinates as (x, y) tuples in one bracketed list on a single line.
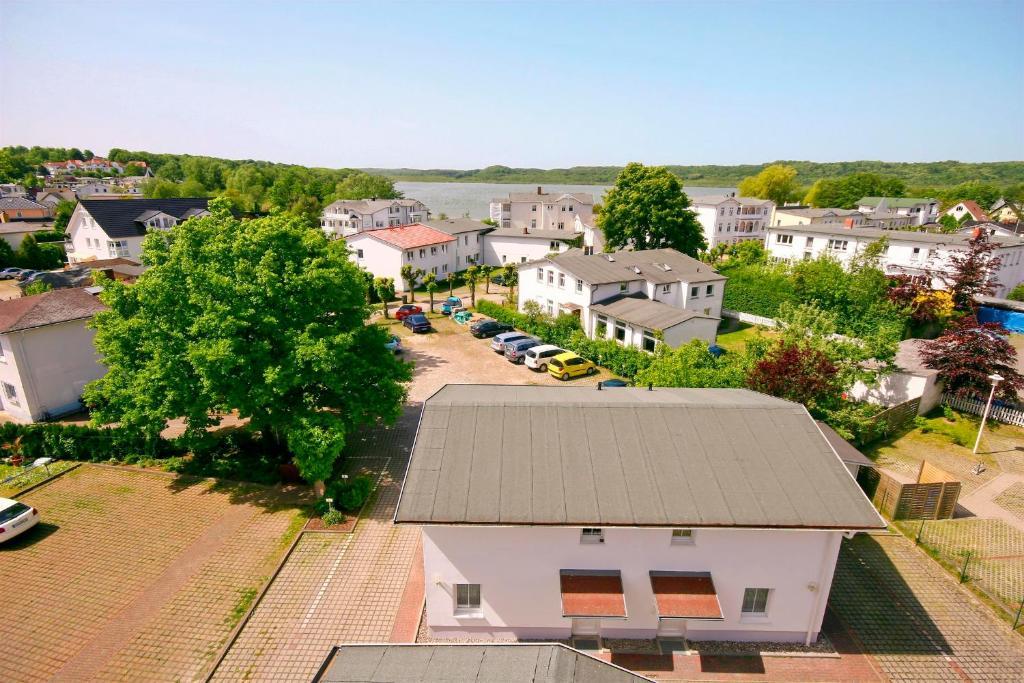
[(48, 367), (518, 571), (705, 329), (386, 260), (543, 213), (722, 222), (501, 249), (469, 245), (902, 255)]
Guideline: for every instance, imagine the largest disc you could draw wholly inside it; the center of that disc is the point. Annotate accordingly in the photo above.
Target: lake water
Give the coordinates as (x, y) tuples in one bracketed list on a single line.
[(458, 199)]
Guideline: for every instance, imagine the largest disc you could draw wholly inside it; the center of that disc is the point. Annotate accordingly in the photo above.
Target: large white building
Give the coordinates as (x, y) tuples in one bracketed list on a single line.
[(348, 216), (908, 252), (634, 297), (46, 353), (708, 514), (802, 215), (542, 210), (113, 228), (383, 251), (519, 245), (470, 239), (728, 219), (920, 210)]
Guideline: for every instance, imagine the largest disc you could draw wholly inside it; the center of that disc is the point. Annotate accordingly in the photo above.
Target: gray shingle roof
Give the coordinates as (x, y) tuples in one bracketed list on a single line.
[(637, 309), (370, 205), (490, 663), (837, 230), (119, 217), (715, 199), (819, 213), (596, 269), (535, 233), (15, 203), (576, 456), (896, 202), (48, 308), (545, 197), (457, 226)]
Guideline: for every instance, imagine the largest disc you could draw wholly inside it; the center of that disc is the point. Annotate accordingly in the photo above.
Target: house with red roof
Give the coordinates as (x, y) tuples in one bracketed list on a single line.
[(969, 208), (383, 252)]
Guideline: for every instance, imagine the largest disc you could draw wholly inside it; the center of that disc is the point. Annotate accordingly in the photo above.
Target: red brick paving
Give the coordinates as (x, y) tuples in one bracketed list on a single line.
[(91, 578), (410, 610)]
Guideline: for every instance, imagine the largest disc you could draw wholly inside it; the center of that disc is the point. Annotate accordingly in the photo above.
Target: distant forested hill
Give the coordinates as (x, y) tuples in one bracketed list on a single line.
[(928, 174)]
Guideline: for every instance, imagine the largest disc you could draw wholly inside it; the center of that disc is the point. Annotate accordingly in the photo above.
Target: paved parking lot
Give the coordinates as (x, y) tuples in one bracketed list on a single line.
[(134, 575)]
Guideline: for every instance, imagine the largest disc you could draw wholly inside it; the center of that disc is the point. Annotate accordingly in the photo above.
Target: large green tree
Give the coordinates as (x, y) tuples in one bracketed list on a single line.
[(264, 317), (647, 209), (776, 182), (843, 193), (362, 185)]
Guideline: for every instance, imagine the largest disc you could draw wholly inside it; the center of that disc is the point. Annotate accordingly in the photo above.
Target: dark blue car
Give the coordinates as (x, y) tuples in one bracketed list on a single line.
[(417, 323)]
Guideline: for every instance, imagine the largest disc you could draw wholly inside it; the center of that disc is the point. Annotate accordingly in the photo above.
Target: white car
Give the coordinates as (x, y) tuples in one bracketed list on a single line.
[(15, 518), (537, 357)]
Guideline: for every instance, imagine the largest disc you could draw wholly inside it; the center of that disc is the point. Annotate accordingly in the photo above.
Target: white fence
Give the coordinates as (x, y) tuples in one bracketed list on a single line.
[(749, 318), (1012, 416)]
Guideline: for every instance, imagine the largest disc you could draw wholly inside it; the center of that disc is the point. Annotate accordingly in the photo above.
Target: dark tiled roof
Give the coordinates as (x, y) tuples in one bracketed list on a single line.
[(622, 266), (119, 217), (637, 309), (456, 226), (17, 203), (489, 663), (48, 308), (575, 456)]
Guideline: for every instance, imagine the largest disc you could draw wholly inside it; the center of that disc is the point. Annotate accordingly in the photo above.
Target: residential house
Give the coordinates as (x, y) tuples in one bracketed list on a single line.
[(634, 297), (13, 232), (469, 237), (22, 208), (476, 662), (704, 514), (348, 216), (519, 245), (46, 353), (593, 236), (12, 190), (106, 189), (802, 215), (53, 197), (112, 228), (542, 210), (383, 251), (76, 165), (921, 210), (993, 228), (1007, 211), (728, 219), (909, 252), (968, 208)]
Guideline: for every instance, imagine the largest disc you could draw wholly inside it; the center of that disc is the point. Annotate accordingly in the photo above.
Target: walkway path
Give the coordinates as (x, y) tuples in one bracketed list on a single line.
[(915, 619), (335, 588), (982, 501)]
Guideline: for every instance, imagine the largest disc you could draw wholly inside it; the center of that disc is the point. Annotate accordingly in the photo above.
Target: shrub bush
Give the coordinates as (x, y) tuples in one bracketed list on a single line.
[(350, 494), (332, 517)]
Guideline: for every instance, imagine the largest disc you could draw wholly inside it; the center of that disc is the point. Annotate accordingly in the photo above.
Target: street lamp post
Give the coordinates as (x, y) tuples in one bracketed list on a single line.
[(996, 379)]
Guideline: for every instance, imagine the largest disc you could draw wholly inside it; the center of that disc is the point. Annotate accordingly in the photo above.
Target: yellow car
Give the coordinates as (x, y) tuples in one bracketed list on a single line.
[(566, 365)]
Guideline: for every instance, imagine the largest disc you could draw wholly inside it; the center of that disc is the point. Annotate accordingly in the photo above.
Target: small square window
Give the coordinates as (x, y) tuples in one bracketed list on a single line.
[(591, 535), (755, 602), (467, 597), (694, 291), (623, 286), (682, 537), (710, 290)]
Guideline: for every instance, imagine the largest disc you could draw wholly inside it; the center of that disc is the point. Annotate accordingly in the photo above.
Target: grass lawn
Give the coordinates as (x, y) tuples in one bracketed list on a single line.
[(735, 340), (32, 477)]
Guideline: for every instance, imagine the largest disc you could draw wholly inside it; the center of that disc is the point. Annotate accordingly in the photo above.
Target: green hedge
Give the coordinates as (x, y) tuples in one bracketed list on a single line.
[(565, 331), (756, 289), (89, 444)]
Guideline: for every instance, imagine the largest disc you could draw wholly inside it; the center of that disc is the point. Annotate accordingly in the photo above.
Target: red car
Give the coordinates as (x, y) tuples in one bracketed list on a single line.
[(406, 310)]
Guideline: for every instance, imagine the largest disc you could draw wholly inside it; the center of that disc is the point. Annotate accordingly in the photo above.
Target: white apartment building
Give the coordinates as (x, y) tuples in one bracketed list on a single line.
[(542, 210), (630, 296), (348, 216), (728, 219), (470, 236), (383, 251), (920, 210), (112, 228), (520, 245), (800, 215), (908, 252), (705, 514), (12, 191), (46, 353)]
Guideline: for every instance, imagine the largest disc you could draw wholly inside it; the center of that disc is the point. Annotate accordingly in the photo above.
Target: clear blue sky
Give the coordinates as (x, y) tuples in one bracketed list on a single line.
[(463, 85)]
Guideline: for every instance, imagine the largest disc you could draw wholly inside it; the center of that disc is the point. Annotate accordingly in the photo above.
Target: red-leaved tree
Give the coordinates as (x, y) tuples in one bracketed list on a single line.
[(968, 353), (970, 273), (797, 372)]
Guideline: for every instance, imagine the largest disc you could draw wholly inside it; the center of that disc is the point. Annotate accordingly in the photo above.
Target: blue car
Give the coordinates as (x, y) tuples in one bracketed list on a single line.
[(717, 351), (418, 323), (448, 304), (394, 344)]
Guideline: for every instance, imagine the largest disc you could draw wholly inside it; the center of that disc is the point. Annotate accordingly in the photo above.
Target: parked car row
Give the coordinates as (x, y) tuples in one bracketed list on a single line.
[(22, 274)]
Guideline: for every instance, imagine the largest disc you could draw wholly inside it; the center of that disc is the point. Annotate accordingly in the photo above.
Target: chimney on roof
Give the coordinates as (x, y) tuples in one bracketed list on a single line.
[(526, 230), (540, 190), (599, 386), (373, 199), (650, 386), (848, 224)]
